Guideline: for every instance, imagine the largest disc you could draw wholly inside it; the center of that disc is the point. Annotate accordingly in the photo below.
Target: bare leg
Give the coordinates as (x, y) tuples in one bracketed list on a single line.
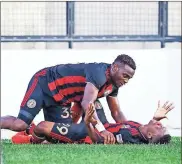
[(42, 130), (13, 123)]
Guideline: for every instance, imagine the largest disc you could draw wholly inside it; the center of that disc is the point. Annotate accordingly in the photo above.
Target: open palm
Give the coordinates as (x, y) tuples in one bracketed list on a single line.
[(163, 110)]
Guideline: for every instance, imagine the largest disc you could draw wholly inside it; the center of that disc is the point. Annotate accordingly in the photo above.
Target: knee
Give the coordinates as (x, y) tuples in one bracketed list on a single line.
[(19, 125), (41, 128)]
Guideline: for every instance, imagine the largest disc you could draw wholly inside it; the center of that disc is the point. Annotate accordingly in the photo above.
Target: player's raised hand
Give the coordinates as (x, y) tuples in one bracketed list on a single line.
[(89, 115), (163, 110)]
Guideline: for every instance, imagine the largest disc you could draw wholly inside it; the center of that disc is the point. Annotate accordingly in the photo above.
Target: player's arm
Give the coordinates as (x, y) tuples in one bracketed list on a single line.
[(114, 107), (90, 95), (162, 111), (90, 128), (95, 77)]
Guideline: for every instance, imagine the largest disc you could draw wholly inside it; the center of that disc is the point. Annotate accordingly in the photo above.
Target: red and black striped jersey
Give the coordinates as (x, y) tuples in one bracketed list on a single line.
[(67, 81), (127, 132)]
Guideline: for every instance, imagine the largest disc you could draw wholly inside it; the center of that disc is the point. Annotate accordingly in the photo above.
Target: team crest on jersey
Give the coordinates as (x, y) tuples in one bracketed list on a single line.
[(31, 103), (119, 138), (106, 93), (126, 126)]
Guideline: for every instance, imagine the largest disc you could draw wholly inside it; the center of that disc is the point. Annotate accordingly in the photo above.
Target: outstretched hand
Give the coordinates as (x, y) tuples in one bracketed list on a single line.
[(163, 110)]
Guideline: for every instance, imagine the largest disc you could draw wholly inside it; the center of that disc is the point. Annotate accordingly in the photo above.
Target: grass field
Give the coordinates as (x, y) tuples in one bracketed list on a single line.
[(92, 154)]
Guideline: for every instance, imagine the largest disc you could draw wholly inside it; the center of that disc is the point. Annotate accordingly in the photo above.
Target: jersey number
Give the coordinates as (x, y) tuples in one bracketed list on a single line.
[(66, 113), (64, 129)]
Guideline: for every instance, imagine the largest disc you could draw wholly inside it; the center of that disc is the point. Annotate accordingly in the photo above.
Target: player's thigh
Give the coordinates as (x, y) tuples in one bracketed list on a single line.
[(32, 101), (68, 133), (58, 114)]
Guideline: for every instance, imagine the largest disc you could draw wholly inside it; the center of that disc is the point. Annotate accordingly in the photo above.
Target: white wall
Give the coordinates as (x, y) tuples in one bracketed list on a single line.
[(158, 77)]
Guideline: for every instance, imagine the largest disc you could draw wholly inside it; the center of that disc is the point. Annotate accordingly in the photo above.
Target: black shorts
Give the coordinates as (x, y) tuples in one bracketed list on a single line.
[(67, 133), (38, 97)]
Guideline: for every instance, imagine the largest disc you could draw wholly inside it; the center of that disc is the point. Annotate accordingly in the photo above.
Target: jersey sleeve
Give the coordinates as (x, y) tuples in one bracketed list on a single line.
[(96, 76), (114, 93)]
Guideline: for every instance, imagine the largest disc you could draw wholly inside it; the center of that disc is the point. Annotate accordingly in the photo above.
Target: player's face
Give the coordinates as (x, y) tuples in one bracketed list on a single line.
[(121, 74), (155, 130)]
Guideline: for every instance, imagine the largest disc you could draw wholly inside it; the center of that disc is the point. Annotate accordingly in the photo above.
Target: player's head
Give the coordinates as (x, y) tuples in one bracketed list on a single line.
[(122, 69), (156, 133)]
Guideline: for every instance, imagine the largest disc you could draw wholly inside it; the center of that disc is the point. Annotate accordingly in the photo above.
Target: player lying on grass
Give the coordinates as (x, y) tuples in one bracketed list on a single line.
[(126, 132), (133, 132), (57, 116)]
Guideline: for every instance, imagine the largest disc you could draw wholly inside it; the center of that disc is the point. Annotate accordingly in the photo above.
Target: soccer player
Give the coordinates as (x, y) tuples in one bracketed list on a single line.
[(23, 137), (60, 85), (132, 132), (126, 132)]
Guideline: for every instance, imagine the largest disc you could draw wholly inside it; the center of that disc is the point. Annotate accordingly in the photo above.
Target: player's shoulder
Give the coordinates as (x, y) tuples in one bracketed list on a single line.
[(101, 64), (85, 65), (97, 66)]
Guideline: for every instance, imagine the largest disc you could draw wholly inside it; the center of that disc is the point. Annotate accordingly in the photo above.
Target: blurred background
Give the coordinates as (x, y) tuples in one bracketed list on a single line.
[(57, 25)]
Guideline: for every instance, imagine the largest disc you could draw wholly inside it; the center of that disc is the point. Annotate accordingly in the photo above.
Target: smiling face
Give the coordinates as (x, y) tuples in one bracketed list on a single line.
[(121, 73)]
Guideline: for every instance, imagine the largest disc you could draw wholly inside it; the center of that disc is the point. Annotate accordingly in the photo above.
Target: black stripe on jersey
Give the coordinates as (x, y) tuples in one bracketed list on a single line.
[(70, 85), (67, 97)]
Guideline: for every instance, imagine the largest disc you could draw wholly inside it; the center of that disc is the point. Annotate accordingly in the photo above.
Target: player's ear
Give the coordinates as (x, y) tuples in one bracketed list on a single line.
[(149, 135), (114, 67)]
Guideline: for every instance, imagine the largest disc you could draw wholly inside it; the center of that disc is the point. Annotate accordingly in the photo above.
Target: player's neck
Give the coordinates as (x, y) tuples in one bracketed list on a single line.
[(107, 73), (142, 130)]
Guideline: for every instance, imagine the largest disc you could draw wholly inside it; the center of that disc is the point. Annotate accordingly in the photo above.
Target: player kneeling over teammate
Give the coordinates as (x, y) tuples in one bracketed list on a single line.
[(85, 132)]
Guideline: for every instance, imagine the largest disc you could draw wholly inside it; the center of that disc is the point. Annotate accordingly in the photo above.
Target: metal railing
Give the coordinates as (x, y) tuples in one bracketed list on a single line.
[(70, 36)]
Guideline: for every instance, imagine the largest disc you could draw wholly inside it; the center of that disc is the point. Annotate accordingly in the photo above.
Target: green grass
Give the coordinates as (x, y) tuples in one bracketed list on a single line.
[(92, 154)]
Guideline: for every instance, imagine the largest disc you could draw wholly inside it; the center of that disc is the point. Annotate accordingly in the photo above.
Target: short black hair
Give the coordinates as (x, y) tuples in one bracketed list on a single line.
[(125, 59), (164, 139)]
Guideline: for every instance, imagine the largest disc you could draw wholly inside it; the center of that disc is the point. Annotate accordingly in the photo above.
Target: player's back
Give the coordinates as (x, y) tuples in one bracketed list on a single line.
[(79, 69), (67, 81)]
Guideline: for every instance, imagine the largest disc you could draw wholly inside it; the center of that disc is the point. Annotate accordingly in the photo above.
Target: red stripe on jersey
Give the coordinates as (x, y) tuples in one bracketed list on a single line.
[(115, 128), (71, 90), (29, 92), (88, 140), (32, 87), (41, 73), (60, 138), (105, 89), (66, 80), (58, 97), (134, 132), (132, 123)]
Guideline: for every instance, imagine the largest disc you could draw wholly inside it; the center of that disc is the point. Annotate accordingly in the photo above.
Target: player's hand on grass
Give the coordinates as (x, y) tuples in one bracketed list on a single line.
[(108, 137), (89, 115), (163, 110)]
